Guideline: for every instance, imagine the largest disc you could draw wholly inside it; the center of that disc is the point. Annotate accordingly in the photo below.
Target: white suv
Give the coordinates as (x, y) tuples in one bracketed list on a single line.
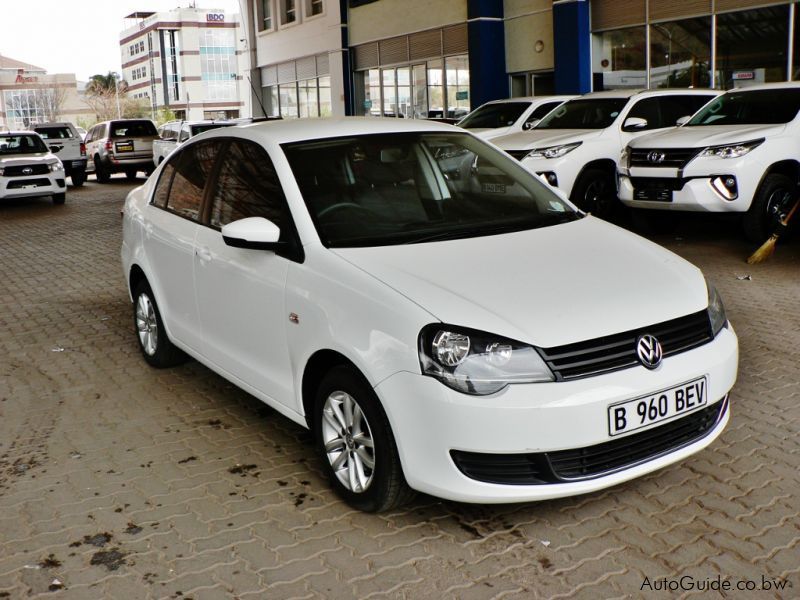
[(419, 300), (28, 168), (503, 117), (740, 154), (577, 146)]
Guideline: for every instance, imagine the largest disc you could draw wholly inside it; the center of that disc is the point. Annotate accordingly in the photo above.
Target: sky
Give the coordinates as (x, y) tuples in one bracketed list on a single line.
[(78, 36)]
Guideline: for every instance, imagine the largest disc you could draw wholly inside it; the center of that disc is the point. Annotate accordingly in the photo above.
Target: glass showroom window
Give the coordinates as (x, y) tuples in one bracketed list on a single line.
[(680, 54), (288, 99), (372, 93), (618, 59), (436, 95), (420, 92), (23, 108), (752, 46), (307, 101), (272, 105), (457, 86), (325, 105)]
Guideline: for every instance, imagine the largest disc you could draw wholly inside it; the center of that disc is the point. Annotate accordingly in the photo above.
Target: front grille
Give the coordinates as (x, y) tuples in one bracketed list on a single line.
[(519, 154), (674, 158), (16, 170), (15, 185), (618, 351), (592, 461)]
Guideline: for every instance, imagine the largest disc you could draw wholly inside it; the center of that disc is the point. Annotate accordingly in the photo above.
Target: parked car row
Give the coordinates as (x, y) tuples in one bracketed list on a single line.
[(667, 150)]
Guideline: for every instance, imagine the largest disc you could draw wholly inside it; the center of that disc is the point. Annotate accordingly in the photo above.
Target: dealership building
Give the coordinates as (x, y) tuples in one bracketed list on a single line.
[(188, 60), (417, 58)]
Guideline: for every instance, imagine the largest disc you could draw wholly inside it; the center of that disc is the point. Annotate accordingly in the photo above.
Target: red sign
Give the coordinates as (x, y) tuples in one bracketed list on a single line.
[(22, 79)]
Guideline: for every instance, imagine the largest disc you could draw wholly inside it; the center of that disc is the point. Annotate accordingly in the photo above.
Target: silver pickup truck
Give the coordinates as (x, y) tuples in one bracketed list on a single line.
[(173, 133), (66, 143)]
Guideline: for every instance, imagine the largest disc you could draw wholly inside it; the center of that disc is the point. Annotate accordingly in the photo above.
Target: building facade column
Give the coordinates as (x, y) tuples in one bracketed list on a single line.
[(488, 79), (572, 46)]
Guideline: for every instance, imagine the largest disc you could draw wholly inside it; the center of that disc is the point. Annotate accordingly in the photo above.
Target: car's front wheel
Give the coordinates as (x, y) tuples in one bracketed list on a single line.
[(774, 198), (130, 174), (59, 198), (156, 347), (356, 443), (101, 173), (78, 178), (595, 191)]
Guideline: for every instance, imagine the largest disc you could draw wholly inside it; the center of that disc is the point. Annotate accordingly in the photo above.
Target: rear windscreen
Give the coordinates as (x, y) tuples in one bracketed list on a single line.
[(54, 133), (133, 129)]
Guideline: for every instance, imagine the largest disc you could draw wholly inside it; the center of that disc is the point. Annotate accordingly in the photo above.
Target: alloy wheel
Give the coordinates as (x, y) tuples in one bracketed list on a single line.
[(348, 441), (779, 203), (146, 324)]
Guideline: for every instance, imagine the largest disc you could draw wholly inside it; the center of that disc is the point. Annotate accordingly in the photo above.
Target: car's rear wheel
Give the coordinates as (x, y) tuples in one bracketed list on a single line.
[(59, 198), (100, 171), (130, 174), (356, 443), (774, 198), (595, 192), (156, 347), (78, 178)]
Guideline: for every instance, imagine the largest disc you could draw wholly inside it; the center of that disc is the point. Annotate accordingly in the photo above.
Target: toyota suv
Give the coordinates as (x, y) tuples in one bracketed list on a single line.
[(740, 154), (28, 168), (577, 146), (503, 117), (66, 142), (121, 146)]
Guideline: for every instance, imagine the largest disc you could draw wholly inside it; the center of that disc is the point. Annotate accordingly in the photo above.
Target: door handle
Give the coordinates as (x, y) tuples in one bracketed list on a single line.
[(204, 254)]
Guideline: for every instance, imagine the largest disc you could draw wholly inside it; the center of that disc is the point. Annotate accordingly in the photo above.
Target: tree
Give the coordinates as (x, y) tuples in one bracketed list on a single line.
[(102, 95)]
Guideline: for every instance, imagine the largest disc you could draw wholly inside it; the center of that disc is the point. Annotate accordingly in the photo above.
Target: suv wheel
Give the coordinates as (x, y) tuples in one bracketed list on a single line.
[(78, 178), (356, 444), (100, 171), (595, 192), (773, 199), (156, 347), (130, 174), (59, 198)]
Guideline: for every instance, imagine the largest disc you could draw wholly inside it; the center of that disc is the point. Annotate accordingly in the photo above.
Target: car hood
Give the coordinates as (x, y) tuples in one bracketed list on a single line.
[(705, 135), (549, 286), (542, 138), (26, 159)]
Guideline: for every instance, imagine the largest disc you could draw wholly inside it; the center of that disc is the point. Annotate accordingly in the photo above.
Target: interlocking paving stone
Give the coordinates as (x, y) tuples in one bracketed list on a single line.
[(94, 441)]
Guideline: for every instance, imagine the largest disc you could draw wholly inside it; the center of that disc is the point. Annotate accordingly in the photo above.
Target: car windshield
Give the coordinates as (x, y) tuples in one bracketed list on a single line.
[(54, 133), (21, 144), (133, 129), (208, 127), (491, 116), (589, 113), (405, 188), (757, 107)]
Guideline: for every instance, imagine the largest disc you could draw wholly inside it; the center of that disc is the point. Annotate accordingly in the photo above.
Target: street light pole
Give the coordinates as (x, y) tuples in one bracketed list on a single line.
[(116, 89)]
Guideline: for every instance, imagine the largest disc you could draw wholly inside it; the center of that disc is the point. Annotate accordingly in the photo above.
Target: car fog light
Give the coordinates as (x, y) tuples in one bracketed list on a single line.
[(450, 348), (551, 177), (726, 187)]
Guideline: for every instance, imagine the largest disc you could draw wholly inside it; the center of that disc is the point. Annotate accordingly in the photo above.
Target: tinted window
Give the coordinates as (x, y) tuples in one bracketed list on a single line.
[(490, 116), (162, 187), (133, 129), (541, 111), (594, 113), (675, 107), (54, 133), (21, 144), (247, 186), (192, 167), (750, 108), (201, 128), (649, 110)]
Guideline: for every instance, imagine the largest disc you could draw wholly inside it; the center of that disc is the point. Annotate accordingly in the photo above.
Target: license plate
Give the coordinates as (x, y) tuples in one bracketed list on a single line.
[(77, 163), (656, 194), (650, 410), (124, 146), (494, 188)]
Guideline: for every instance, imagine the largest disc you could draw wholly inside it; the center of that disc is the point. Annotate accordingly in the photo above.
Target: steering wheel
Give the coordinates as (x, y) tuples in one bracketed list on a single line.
[(342, 205)]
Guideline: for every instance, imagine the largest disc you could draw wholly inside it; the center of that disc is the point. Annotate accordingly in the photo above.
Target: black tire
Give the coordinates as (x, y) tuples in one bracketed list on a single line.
[(163, 353), (595, 191), (78, 178), (101, 173), (130, 174), (654, 221), (386, 487), (774, 197), (59, 198)]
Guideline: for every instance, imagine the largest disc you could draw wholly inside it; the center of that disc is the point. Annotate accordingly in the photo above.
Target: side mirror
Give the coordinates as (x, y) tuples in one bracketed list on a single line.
[(634, 124), (530, 124), (254, 233), (683, 120)]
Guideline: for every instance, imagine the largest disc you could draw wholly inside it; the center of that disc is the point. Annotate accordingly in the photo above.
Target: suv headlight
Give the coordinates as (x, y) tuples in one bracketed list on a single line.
[(553, 151), (56, 166), (731, 150), (478, 363), (716, 311)]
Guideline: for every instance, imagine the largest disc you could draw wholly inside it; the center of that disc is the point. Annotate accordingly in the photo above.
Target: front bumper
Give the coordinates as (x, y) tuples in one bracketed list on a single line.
[(566, 169), (33, 185), (430, 420)]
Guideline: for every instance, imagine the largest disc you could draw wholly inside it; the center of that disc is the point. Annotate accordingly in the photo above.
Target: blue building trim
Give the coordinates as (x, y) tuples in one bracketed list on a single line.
[(347, 71), (572, 43), (487, 51)]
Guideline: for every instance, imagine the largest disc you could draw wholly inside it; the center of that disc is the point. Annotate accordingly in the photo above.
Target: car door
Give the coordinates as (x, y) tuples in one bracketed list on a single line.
[(240, 292), (171, 223)]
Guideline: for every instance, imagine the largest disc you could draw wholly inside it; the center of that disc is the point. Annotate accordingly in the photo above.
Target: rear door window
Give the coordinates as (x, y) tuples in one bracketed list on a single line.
[(183, 179), (133, 129)]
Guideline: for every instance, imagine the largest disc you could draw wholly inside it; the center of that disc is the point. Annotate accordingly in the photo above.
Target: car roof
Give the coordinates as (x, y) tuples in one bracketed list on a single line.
[(296, 130), (533, 99), (54, 124), (629, 93), (767, 86), (19, 132)]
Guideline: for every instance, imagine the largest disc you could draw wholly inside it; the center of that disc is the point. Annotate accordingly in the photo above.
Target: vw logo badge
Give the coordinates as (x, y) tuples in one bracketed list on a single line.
[(656, 157), (649, 351), (27, 171)]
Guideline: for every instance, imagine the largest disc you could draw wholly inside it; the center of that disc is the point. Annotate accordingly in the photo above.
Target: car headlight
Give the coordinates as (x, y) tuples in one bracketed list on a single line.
[(553, 151), (716, 311), (731, 150), (479, 363), (56, 166)]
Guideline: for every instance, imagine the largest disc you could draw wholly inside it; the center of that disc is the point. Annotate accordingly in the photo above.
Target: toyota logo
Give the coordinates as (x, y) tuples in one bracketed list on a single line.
[(27, 171), (649, 351), (656, 157)]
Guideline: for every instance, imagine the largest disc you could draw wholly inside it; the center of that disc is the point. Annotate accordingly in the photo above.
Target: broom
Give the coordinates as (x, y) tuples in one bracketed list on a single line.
[(768, 247)]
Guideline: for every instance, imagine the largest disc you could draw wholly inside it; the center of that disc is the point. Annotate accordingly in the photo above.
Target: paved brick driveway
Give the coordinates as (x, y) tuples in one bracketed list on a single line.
[(119, 481)]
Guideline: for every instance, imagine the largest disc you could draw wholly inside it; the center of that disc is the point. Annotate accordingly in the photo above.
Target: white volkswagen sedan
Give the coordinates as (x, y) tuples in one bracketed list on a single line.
[(434, 312)]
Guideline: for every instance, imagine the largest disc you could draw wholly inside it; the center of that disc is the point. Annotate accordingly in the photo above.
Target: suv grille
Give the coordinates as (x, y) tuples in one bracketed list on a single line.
[(674, 158), (591, 461), (16, 170), (618, 351), (519, 154)]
